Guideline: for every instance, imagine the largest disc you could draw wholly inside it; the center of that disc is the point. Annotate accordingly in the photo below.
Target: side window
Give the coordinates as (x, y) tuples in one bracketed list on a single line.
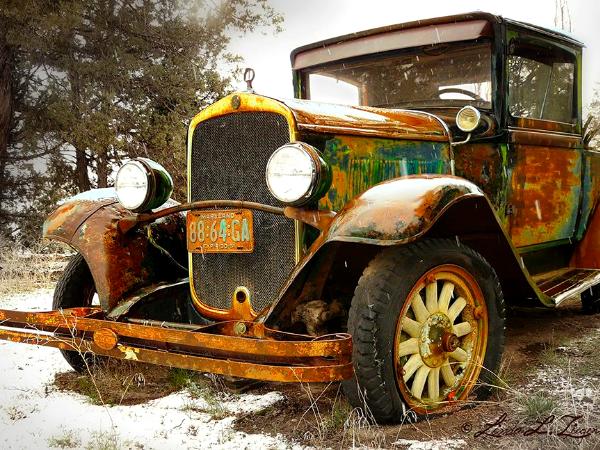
[(541, 83)]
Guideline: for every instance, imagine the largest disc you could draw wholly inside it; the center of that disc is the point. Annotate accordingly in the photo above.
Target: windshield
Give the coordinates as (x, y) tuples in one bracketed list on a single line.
[(441, 75)]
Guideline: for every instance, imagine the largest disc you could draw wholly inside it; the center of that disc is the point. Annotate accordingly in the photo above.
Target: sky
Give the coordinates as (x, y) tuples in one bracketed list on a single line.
[(308, 21)]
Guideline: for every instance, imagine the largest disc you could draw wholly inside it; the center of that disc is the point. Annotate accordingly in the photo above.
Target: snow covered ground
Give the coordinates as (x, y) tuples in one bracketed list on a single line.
[(34, 415)]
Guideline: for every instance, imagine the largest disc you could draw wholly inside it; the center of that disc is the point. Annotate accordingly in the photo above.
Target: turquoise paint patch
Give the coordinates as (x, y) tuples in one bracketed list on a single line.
[(359, 163)]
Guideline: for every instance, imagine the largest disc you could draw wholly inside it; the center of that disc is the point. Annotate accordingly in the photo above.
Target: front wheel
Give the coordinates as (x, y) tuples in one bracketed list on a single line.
[(76, 288), (427, 322)]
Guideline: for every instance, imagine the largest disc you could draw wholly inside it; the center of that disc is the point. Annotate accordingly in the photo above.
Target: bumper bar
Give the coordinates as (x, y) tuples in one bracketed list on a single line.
[(235, 348)]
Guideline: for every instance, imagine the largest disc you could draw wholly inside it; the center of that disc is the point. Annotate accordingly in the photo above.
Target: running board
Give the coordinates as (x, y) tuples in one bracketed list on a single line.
[(562, 284)]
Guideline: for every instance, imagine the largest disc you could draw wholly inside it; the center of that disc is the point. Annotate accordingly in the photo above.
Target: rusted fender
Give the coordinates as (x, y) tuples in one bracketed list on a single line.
[(403, 210), (120, 263), (399, 210)]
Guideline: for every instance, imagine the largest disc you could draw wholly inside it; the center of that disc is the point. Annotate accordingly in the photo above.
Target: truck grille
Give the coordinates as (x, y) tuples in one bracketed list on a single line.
[(228, 161)]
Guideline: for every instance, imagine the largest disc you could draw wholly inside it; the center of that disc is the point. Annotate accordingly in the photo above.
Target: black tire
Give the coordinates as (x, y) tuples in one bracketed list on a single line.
[(378, 301), (590, 300), (76, 288)]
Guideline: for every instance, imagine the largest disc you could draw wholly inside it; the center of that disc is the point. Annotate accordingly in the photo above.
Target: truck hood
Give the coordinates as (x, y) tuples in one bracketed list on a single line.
[(366, 121)]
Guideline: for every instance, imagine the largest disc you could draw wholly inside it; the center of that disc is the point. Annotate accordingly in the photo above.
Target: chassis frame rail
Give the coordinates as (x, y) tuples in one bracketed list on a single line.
[(235, 348)]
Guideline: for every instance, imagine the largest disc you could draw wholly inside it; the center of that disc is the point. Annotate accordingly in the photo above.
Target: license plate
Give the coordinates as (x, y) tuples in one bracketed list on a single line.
[(220, 231)]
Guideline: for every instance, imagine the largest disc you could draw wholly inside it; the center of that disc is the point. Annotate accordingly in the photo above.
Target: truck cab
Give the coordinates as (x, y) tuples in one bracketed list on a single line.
[(526, 153)]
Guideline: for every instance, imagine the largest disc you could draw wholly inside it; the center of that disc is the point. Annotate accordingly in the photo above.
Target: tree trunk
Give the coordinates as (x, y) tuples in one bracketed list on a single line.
[(102, 169), (5, 109), (83, 179), (81, 160)]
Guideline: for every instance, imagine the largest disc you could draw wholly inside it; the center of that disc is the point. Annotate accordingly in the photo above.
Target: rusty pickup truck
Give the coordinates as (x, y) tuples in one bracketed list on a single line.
[(373, 230)]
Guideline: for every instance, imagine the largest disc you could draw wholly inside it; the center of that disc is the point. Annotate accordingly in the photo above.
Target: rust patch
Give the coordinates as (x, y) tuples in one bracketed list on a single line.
[(105, 339), (587, 253), (483, 165), (547, 125), (544, 139), (119, 263), (546, 186), (227, 348), (358, 163), (367, 121), (398, 210)]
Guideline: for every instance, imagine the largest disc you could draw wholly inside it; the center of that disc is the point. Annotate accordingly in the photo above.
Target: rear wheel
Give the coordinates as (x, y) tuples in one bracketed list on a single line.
[(76, 288), (427, 322)]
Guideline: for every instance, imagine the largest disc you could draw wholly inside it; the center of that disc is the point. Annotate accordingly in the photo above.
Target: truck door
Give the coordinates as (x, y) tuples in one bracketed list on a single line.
[(544, 142)]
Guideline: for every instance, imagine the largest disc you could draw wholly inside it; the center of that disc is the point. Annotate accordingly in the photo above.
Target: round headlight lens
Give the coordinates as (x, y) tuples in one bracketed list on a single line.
[(467, 119), (290, 173), (132, 185), (142, 185), (296, 173)]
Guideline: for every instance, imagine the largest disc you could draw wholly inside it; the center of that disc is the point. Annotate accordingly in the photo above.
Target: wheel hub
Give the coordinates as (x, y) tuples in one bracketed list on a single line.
[(437, 339), (450, 342)]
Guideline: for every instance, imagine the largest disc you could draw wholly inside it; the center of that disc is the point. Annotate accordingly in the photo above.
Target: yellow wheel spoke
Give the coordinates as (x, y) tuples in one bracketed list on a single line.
[(419, 381), (459, 354), (456, 308), (408, 347), (433, 383), (411, 327), (431, 297), (421, 313), (445, 296), (462, 329), (447, 374), (411, 366)]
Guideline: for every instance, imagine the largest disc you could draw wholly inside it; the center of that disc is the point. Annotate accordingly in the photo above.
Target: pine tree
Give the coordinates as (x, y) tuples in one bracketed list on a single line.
[(85, 84)]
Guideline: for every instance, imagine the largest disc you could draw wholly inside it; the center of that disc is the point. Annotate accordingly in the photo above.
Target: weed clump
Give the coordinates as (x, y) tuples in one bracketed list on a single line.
[(117, 382), (537, 405), (66, 440), (27, 269)]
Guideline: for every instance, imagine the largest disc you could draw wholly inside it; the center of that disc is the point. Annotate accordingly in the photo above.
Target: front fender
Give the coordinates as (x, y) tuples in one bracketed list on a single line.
[(120, 263), (399, 210)]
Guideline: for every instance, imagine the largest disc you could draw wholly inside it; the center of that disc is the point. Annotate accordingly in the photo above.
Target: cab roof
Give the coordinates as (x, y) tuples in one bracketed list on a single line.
[(491, 18)]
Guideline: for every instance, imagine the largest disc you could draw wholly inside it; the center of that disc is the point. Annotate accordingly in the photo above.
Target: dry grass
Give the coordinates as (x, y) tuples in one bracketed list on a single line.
[(24, 270), (316, 415), (210, 389), (558, 407), (339, 421), (67, 439), (116, 382), (108, 441)]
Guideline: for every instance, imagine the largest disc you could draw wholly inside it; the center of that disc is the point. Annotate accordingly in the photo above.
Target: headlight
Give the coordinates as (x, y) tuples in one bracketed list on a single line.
[(467, 119), (296, 174), (143, 184)]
